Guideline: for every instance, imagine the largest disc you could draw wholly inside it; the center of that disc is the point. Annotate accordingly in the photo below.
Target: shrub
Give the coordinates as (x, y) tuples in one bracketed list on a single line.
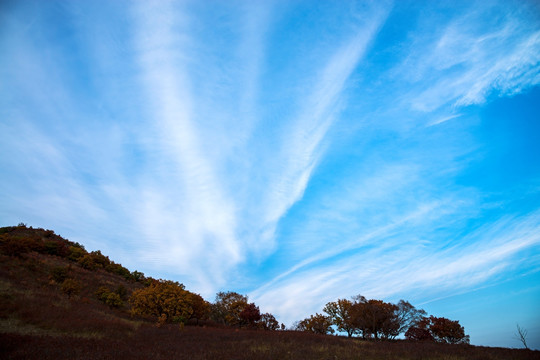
[(75, 253), (71, 287), (110, 298), (56, 247), (137, 276), (119, 270), (94, 260), (17, 245), (58, 274), (122, 292)]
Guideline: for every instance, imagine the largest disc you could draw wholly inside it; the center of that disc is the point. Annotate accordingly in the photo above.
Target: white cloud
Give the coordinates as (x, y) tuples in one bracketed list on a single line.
[(302, 141), (402, 267), (187, 202), (484, 50)]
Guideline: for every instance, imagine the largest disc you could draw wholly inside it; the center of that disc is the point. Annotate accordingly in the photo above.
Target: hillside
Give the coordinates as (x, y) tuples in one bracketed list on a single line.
[(52, 306)]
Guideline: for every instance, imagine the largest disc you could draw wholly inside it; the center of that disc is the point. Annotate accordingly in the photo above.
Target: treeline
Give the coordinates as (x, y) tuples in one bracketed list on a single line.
[(166, 301), (169, 302), (376, 319)]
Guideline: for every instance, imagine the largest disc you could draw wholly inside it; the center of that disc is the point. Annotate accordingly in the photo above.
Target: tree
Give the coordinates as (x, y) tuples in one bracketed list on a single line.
[(521, 335), (407, 315), (340, 313), (374, 318), (227, 308), (440, 329), (419, 331), (318, 324), (249, 315), (201, 308), (164, 299), (268, 322), (447, 331)]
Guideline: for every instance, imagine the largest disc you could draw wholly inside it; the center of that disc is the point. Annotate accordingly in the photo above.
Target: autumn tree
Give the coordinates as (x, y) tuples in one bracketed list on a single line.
[(374, 318), (250, 315), (201, 308), (268, 322), (163, 299), (340, 313), (447, 331), (418, 333), (227, 308), (439, 329), (318, 324)]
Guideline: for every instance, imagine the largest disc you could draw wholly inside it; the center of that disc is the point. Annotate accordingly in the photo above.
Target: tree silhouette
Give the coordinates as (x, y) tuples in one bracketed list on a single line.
[(441, 330), (521, 335)]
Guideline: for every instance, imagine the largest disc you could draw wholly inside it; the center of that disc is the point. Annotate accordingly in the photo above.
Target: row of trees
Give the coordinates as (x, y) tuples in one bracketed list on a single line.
[(376, 319), (169, 301)]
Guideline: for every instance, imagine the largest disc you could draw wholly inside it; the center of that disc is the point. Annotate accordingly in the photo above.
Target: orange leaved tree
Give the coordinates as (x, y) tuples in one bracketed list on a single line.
[(166, 300)]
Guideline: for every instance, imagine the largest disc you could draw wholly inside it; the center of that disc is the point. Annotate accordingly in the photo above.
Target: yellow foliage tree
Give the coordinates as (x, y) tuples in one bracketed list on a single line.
[(163, 299)]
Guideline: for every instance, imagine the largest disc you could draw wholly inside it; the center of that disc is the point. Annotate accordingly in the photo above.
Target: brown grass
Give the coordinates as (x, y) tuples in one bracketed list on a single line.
[(169, 342)]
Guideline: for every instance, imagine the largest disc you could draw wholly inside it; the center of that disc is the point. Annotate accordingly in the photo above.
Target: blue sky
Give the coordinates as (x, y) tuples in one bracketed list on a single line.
[(295, 151)]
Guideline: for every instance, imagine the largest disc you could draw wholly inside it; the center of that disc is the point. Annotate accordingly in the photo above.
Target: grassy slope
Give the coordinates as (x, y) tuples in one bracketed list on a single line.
[(39, 321)]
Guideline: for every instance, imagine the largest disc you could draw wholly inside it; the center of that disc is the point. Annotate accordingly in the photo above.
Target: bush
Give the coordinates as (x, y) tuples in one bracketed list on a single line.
[(75, 253), (119, 270), (94, 260), (55, 247), (17, 245), (58, 274), (71, 287), (110, 298)]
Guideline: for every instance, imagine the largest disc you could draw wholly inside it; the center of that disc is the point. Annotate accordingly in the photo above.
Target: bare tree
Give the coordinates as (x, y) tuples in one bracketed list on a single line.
[(521, 335)]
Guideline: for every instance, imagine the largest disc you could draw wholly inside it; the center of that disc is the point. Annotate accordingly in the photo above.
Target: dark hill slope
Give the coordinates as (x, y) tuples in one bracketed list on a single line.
[(51, 307), (48, 286)]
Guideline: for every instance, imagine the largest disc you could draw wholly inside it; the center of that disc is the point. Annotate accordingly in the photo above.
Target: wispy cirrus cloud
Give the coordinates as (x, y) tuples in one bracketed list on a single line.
[(493, 47), (301, 143), (402, 266)]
